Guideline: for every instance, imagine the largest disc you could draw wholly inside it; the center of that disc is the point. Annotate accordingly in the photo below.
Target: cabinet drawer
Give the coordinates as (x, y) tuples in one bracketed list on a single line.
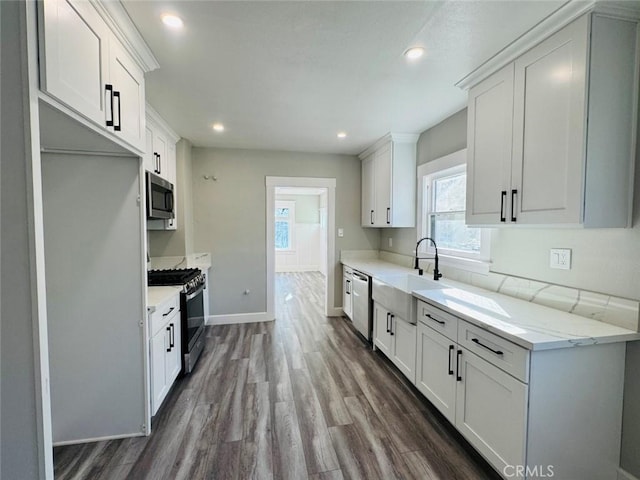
[(163, 313), (439, 320), (502, 353)]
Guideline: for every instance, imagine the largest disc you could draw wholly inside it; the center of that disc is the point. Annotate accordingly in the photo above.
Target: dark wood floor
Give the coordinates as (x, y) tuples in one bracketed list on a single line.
[(301, 397)]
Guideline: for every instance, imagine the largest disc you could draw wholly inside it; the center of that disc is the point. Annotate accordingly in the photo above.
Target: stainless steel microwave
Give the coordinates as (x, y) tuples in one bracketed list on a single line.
[(159, 198)]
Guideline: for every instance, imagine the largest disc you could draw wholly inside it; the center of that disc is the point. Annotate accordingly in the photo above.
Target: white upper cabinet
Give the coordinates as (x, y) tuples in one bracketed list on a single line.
[(551, 136), (389, 182), (86, 68)]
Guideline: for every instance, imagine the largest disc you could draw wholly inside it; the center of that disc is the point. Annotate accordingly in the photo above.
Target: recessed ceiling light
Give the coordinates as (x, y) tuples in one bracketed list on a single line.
[(172, 21), (414, 53), (218, 127), (342, 134)]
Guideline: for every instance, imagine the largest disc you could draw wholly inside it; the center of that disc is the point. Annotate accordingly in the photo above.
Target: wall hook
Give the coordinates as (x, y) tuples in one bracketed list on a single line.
[(210, 177)]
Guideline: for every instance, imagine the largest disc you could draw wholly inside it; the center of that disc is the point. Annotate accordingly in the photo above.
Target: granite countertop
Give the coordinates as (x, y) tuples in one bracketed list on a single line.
[(158, 295), (529, 325)]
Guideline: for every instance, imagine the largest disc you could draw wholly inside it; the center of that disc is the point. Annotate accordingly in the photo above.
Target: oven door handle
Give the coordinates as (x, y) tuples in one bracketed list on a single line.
[(189, 296)]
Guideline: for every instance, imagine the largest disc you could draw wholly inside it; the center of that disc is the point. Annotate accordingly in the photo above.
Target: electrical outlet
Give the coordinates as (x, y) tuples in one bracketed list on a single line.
[(390, 241), (560, 258), (340, 232)]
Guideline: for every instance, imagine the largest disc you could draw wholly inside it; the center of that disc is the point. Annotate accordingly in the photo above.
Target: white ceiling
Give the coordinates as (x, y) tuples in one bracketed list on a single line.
[(290, 75)]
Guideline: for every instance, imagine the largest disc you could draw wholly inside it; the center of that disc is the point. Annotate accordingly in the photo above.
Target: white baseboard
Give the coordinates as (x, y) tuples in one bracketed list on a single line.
[(98, 439), (624, 475), (234, 318), (336, 312), (297, 268)]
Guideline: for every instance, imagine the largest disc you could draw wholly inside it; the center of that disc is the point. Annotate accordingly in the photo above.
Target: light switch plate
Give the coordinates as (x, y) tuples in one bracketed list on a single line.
[(340, 232), (560, 258)]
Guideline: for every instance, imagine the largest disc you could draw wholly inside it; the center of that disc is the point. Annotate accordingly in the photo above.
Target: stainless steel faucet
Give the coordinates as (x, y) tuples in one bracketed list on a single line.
[(416, 264)]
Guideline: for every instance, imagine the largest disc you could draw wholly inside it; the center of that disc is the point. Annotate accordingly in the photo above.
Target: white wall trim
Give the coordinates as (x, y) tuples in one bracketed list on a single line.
[(297, 268), (328, 183), (97, 439), (234, 318), (36, 237), (335, 312), (624, 475)]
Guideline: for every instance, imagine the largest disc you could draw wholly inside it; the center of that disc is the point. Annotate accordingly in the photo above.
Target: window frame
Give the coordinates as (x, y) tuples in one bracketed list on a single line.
[(291, 221), (442, 167)]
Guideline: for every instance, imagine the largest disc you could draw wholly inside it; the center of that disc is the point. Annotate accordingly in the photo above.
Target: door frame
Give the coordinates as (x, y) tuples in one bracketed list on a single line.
[(309, 182)]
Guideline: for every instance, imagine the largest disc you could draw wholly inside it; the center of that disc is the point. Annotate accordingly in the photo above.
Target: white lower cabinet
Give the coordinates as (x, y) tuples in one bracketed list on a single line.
[(532, 414), (396, 338), (347, 287), (164, 350)]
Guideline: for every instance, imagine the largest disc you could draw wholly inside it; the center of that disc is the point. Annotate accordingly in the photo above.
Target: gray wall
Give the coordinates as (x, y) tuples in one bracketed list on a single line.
[(307, 207), (179, 242), (19, 443), (229, 217), (603, 260)]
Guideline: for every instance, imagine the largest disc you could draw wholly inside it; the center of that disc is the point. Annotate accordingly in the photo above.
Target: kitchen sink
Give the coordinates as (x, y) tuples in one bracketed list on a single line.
[(394, 293)]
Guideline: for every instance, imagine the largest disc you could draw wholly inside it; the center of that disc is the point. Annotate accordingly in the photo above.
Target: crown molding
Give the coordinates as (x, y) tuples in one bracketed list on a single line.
[(155, 118), (118, 20), (390, 137), (546, 27)]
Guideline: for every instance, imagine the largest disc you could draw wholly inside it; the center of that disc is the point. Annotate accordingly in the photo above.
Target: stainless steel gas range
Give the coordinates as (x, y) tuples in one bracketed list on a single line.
[(191, 309)]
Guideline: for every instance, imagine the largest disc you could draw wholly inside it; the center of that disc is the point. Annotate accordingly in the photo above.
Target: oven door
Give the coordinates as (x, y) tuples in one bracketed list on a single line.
[(192, 327)]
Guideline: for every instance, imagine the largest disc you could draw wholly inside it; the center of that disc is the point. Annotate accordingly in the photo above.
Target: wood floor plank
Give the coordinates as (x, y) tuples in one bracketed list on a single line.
[(289, 461), (318, 449), (329, 395), (191, 454), (333, 475), (223, 461), (256, 459), (353, 453), (257, 364)]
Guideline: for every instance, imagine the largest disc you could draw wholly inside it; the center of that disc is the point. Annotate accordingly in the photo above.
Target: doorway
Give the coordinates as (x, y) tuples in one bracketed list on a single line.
[(322, 232)]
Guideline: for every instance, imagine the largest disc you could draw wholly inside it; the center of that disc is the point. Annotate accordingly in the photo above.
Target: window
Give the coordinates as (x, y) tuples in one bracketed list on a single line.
[(442, 213), (284, 223)]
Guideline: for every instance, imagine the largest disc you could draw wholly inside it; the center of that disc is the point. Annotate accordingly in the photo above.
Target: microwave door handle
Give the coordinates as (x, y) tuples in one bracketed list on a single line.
[(170, 201)]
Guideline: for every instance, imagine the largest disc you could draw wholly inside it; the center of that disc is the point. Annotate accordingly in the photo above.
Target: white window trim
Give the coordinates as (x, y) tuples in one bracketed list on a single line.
[(474, 263), (291, 205)]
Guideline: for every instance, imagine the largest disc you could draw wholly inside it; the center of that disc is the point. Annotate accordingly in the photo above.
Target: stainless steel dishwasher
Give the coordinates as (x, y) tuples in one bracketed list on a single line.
[(362, 304)]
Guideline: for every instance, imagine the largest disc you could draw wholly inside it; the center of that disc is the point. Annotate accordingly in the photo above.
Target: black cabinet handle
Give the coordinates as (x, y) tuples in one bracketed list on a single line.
[(388, 328), (503, 197), (477, 342), (371, 217), (458, 376), (159, 164), (451, 348), (109, 88), (118, 127), (157, 157), (388, 216), (514, 192), (434, 319), (170, 310), (173, 335), (392, 317), (169, 330)]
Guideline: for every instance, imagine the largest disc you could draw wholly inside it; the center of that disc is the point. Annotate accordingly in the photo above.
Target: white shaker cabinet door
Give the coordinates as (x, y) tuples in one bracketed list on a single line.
[(549, 128), (74, 51), (174, 363), (129, 102), (382, 333), (490, 121), (159, 385), (435, 370), (491, 410), (368, 192), (383, 189), (404, 347)]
